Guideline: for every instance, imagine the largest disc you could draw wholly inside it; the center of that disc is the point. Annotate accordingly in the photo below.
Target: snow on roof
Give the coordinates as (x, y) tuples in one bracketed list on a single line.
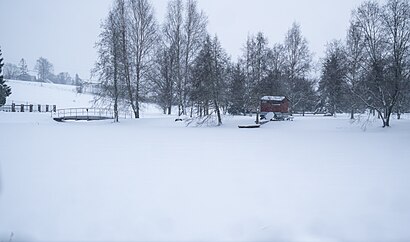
[(273, 98)]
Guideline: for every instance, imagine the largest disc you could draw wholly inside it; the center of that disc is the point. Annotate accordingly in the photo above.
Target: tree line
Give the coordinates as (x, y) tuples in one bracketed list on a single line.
[(44, 70), (370, 69), (179, 64)]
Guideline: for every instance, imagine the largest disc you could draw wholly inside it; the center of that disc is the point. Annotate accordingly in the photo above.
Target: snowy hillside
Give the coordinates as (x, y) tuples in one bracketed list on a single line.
[(64, 96), (153, 179)]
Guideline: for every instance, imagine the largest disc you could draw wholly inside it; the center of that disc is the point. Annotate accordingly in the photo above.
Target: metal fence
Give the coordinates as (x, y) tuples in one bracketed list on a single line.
[(68, 112), (28, 108)]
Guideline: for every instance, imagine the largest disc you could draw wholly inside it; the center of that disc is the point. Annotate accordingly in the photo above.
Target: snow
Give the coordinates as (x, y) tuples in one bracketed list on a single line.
[(273, 98), (64, 96), (317, 179)]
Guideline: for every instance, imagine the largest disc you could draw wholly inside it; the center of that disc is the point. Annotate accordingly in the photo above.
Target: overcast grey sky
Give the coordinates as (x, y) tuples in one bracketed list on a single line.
[(65, 31)]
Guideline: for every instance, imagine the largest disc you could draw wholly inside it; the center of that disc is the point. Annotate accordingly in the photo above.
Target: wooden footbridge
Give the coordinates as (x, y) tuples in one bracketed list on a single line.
[(86, 114)]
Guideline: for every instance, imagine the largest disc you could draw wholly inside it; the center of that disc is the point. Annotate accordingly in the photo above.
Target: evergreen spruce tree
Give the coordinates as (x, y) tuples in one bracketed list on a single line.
[(208, 74), (237, 91), (23, 67), (333, 88), (5, 90)]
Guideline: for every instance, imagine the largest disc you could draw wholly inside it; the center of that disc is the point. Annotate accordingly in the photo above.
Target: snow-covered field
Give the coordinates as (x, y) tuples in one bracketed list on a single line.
[(313, 179)]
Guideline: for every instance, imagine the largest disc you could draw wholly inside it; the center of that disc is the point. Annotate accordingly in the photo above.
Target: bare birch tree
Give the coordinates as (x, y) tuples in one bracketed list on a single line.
[(163, 85), (107, 65), (44, 69), (354, 64), (396, 19), (386, 35), (298, 59), (369, 21), (125, 58), (143, 40), (173, 39), (194, 27)]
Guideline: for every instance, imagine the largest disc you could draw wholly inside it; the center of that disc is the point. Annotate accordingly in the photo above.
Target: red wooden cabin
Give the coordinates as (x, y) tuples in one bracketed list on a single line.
[(279, 105)]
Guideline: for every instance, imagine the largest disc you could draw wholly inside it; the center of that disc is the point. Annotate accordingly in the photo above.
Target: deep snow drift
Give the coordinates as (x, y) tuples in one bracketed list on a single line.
[(313, 179)]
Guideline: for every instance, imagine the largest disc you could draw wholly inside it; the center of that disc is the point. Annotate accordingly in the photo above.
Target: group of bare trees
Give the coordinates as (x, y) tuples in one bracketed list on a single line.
[(141, 60), (178, 64), (371, 69), (183, 35), (44, 70), (18, 72), (126, 53), (283, 69)]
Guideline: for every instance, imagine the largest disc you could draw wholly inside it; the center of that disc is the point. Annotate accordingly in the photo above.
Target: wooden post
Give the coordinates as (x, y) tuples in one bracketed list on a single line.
[(22, 108), (31, 108), (257, 116)]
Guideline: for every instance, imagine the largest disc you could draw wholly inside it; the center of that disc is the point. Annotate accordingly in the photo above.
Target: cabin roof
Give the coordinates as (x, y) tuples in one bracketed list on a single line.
[(273, 98)]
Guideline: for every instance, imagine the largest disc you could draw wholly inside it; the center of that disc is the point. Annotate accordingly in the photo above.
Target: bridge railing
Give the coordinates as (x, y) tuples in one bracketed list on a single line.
[(83, 112)]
